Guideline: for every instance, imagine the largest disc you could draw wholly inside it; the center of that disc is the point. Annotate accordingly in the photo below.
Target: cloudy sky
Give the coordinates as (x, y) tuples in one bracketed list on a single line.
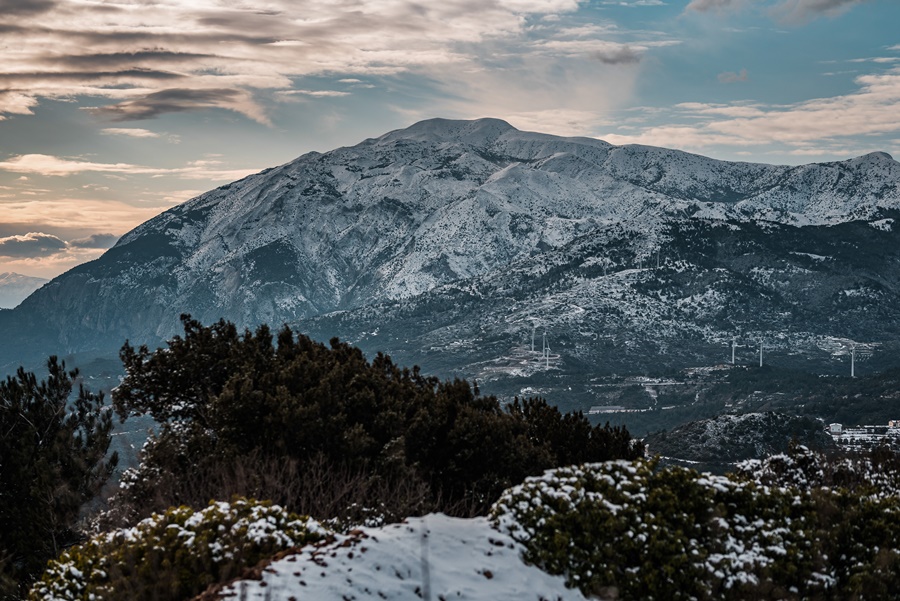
[(112, 111)]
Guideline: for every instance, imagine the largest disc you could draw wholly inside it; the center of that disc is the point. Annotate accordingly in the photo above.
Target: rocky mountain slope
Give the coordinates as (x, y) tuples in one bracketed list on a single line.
[(450, 241), (806, 294), (716, 444)]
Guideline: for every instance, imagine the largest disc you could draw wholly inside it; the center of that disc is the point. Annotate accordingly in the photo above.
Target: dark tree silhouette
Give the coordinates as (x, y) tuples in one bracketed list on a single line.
[(52, 462)]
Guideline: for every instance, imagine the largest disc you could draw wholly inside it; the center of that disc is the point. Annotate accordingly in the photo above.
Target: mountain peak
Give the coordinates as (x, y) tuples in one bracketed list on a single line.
[(395, 217), (15, 287), (10, 276), (474, 131), (878, 156), (872, 158)]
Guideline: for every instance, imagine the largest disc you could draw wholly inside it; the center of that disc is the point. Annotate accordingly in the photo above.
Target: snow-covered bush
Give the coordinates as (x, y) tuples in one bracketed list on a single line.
[(875, 472), (175, 555), (629, 530), (789, 527)]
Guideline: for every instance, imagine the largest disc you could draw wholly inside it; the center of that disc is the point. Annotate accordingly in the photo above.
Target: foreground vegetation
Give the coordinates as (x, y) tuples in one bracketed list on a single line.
[(176, 554), (316, 429), (794, 526), (319, 431), (268, 417), (797, 525), (52, 462)]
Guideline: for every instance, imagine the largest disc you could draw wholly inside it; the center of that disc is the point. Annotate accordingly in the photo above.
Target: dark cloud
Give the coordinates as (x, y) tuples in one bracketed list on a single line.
[(170, 101), (801, 11), (787, 11), (622, 55), (245, 20), (88, 38), (163, 40), (7, 28), (95, 241), (25, 7), (119, 59), (89, 75), (708, 5), (31, 245)]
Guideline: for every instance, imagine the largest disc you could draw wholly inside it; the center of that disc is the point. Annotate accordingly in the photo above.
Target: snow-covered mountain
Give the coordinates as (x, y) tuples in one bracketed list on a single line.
[(486, 210), (15, 287)]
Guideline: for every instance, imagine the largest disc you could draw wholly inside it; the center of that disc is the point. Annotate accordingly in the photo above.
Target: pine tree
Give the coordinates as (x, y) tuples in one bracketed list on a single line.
[(52, 462), (222, 397)]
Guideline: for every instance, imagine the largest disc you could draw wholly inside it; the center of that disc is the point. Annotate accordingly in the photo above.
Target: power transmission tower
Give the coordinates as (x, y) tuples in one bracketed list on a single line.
[(546, 352)]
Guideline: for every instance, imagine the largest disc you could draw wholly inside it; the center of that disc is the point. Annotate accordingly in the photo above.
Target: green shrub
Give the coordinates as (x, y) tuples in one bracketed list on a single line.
[(54, 435), (873, 472), (174, 555), (629, 530), (220, 396)]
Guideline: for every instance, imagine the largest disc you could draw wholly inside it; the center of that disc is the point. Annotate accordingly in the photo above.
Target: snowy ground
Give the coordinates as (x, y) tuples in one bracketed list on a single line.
[(433, 558)]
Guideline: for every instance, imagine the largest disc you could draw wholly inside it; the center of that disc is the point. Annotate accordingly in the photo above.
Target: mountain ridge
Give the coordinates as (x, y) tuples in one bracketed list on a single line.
[(396, 216), (15, 287)]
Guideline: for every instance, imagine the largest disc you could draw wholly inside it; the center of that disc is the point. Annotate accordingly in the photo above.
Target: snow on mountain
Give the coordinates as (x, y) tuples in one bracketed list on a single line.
[(432, 557), (729, 438), (403, 214), (14, 288), (606, 308)]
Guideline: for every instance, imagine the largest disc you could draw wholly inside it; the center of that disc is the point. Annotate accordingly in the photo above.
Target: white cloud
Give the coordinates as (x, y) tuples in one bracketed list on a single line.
[(51, 265), (312, 93), (180, 196), (16, 103), (49, 165), (871, 110), (732, 77), (86, 215), (133, 132), (635, 2), (147, 59), (562, 122)]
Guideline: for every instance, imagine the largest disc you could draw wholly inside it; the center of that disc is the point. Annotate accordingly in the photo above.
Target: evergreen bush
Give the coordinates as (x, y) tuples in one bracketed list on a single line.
[(174, 555), (53, 446), (221, 397), (632, 531)]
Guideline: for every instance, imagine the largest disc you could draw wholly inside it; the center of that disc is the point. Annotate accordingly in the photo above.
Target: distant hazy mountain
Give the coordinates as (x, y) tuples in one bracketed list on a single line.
[(447, 242), (15, 287)]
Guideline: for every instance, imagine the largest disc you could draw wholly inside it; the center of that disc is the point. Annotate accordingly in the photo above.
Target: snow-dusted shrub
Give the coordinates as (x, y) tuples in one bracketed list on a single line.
[(629, 530), (875, 472), (174, 555)]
